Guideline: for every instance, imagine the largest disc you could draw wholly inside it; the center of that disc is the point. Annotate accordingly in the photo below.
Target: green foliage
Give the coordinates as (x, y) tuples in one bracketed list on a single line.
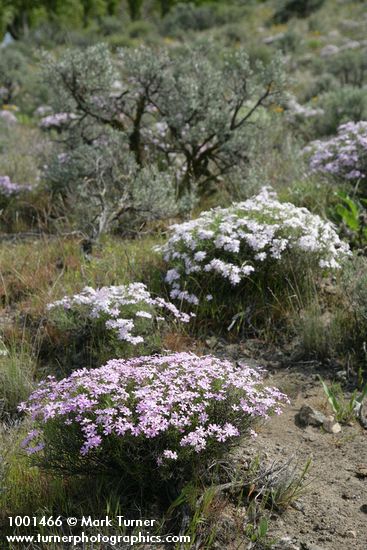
[(63, 269), (339, 106), (20, 150), (317, 85), (102, 187), (331, 325), (141, 29), (348, 212), (151, 124), (317, 196), (12, 74), (182, 110), (322, 335), (187, 16), (345, 410), (277, 485), (290, 41), (353, 217), (258, 534), (354, 288), (20, 16), (286, 9), (199, 506), (183, 120), (17, 368), (135, 8), (349, 67), (24, 488)]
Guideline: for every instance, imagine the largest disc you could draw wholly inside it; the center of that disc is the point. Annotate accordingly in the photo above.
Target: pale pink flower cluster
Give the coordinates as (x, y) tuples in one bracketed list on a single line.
[(120, 307), (241, 241), (178, 401), (343, 156), (9, 188), (57, 120)]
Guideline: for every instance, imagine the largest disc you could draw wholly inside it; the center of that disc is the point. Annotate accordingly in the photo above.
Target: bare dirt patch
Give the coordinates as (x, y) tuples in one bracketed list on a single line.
[(331, 514)]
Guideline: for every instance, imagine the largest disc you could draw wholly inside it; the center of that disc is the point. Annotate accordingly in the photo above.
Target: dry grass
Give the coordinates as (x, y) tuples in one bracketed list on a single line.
[(35, 273)]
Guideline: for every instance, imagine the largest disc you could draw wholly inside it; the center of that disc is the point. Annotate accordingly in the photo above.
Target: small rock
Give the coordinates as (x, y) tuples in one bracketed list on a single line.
[(298, 506), (233, 351), (363, 508), (324, 527), (331, 426), (309, 546), (351, 534), (361, 471), (349, 496), (309, 434), (307, 416), (212, 342), (286, 543)]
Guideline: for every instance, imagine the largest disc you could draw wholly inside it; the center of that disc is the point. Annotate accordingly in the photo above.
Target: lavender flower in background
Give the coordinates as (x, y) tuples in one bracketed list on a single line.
[(329, 50), (171, 400), (58, 120), (9, 188), (343, 156)]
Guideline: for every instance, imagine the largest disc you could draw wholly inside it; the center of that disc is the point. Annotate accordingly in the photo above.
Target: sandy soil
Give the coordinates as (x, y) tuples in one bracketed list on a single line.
[(329, 515)]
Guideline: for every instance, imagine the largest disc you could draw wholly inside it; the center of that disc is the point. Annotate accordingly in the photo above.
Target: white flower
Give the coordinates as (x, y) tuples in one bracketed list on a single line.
[(199, 256), (261, 256), (144, 314), (111, 302), (244, 239), (172, 275)]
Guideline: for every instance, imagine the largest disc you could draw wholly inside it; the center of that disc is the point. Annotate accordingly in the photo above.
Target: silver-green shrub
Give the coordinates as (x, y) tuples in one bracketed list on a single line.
[(189, 112), (101, 185), (12, 73)]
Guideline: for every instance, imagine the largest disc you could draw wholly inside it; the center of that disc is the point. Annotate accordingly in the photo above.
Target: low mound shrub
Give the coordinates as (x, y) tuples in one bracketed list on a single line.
[(187, 16), (340, 105), (343, 156), (238, 260), (348, 66), (149, 420), (110, 321)]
